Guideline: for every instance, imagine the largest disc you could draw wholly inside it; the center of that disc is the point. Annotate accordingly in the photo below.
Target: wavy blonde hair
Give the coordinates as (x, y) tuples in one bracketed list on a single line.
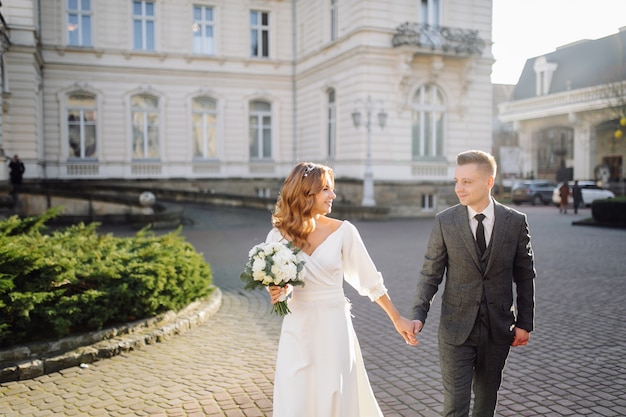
[(292, 213)]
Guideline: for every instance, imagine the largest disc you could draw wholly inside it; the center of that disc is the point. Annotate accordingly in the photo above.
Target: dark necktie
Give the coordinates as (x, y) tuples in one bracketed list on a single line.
[(480, 233)]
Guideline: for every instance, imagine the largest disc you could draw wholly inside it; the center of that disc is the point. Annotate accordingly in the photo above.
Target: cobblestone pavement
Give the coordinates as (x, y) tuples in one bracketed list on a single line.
[(575, 364)]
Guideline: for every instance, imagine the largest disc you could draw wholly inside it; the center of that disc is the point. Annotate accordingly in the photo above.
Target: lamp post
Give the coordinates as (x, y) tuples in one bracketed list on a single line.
[(368, 178)]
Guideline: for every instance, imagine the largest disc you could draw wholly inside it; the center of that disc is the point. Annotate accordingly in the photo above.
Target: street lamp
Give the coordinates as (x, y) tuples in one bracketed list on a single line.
[(368, 178)]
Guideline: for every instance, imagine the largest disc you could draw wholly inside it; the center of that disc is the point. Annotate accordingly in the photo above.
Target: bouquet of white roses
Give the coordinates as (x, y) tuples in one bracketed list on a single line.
[(273, 263)]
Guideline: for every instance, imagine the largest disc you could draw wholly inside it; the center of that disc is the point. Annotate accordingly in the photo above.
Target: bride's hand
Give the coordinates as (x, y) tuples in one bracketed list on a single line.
[(279, 293), (407, 330)]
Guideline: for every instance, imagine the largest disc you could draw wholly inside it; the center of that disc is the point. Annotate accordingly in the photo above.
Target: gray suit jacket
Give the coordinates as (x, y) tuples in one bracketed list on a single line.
[(508, 260)]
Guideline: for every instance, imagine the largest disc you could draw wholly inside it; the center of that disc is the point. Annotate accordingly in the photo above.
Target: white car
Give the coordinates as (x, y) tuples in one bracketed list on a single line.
[(590, 191)]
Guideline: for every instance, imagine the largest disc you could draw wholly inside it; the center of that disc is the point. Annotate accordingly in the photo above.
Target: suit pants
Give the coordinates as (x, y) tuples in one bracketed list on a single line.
[(478, 361)]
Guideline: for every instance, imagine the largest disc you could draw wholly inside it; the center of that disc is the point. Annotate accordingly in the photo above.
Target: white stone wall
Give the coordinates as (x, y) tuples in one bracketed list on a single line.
[(360, 63), (22, 108)]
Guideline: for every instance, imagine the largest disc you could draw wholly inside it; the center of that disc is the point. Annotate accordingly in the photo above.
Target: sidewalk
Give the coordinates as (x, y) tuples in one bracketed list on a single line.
[(575, 364)]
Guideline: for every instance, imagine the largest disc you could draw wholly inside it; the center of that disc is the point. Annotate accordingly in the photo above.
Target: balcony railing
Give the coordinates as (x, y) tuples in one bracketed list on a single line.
[(439, 38)]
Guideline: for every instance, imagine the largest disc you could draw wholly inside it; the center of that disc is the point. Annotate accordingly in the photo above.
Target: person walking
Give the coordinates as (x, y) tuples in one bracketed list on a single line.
[(16, 173), (564, 194), (577, 196), (484, 250), (319, 365)]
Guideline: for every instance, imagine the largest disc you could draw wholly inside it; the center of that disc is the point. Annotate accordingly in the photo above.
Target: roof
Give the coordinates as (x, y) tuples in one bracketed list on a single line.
[(582, 64)]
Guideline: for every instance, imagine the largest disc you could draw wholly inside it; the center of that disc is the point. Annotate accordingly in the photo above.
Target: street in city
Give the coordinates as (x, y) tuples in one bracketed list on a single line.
[(574, 365)]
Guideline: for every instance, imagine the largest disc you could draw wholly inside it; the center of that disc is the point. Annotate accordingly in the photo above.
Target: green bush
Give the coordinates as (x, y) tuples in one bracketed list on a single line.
[(74, 280), (609, 211)]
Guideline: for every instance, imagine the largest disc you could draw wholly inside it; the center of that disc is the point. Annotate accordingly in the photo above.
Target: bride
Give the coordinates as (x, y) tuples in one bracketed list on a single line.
[(319, 366)]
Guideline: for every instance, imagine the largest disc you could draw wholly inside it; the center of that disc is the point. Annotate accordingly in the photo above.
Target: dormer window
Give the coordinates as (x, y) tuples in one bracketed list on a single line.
[(543, 75)]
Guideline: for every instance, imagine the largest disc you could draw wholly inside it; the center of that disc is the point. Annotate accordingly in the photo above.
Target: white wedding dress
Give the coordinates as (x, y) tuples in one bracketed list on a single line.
[(319, 367)]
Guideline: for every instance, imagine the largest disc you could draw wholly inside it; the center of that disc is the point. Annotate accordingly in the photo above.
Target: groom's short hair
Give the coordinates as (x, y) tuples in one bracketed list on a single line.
[(485, 160)]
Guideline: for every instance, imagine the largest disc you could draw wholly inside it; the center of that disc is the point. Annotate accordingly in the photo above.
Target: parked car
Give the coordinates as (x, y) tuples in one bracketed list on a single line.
[(590, 191), (535, 192)]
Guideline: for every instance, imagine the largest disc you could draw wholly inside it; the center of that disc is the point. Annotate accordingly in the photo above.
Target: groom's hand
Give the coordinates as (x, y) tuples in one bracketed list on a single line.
[(405, 327), (417, 326)]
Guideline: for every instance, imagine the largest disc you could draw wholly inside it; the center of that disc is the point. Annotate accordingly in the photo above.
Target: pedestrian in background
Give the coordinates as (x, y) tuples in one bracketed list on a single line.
[(16, 173), (577, 195), (488, 301), (564, 194)]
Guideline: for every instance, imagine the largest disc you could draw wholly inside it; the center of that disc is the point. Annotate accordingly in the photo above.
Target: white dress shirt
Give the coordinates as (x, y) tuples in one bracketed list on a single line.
[(487, 221)]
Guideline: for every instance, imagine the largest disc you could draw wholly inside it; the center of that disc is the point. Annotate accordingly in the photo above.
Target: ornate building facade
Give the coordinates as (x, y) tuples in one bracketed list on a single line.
[(211, 90), (566, 110)]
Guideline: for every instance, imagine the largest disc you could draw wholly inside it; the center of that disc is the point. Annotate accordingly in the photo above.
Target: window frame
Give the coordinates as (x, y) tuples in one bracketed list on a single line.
[(147, 33), (429, 202), (331, 123), (430, 142), (81, 30), (334, 20), (259, 35), (205, 115), (146, 127), (259, 142), (430, 12), (205, 43), (82, 123)]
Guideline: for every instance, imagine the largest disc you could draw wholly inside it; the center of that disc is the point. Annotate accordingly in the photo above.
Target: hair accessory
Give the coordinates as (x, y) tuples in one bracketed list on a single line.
[(308, 170)]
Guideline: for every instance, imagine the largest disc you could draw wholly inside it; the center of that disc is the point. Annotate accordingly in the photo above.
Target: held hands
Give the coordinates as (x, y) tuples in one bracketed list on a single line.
[(279, 293), (407, 330), (521, 337)]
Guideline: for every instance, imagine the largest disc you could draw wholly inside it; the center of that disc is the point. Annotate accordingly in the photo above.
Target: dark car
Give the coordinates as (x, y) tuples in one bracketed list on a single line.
[(535, 192)]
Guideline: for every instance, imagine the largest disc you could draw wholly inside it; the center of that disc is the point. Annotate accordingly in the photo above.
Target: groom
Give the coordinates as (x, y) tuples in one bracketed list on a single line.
[(484, 249)]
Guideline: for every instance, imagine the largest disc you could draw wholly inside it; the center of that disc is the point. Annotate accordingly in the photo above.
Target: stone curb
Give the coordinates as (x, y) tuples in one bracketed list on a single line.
[(106, 343)]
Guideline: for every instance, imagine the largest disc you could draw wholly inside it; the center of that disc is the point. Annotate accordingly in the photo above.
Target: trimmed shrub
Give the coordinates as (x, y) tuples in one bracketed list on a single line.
[(74, 280), (610, 211)]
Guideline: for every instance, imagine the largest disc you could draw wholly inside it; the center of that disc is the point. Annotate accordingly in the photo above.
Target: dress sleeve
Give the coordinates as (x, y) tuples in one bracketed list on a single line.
[(358, 268)]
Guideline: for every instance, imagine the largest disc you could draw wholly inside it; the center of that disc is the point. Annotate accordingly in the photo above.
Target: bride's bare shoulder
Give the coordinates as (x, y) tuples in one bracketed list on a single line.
[(333, 224)]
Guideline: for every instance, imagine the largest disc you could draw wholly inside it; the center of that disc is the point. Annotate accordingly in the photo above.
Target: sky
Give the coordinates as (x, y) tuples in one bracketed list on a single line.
[(525, 29)]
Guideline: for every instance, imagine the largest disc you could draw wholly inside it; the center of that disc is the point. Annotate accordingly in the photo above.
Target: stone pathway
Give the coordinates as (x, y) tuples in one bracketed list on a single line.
[(575, 364)]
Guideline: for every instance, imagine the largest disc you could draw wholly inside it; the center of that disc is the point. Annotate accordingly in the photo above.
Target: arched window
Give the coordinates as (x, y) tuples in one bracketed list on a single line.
[(260, 130), (332, 124), (204, 123), (145, 119), (81, 126), (428, 122)]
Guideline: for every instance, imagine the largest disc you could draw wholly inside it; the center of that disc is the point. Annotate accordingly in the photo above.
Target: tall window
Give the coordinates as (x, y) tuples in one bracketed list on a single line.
[(259, 34), (332, 124), (79, 22), (145, 119), (430, 12), (428, 122), (204, 120), (81, 126), (334, 24), (202, 28), (260, 130), (430, 17), (143, 25)]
